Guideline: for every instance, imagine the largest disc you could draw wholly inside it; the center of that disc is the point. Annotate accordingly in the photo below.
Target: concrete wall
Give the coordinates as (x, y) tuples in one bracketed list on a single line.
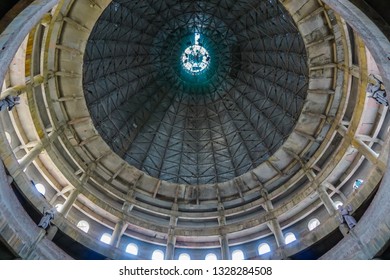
[(19, 231)]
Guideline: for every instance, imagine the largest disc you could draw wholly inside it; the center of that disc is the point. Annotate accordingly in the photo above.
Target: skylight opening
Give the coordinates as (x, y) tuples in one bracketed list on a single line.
[(195, 58)]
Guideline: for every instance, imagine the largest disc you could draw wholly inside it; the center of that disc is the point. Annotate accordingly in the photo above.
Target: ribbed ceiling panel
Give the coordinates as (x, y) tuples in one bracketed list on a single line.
[(195, 129)]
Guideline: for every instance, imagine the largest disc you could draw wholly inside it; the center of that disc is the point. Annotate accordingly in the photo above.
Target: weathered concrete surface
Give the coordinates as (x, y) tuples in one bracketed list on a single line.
[(17, 30), (372, 36), (365, 242), (19, 231)]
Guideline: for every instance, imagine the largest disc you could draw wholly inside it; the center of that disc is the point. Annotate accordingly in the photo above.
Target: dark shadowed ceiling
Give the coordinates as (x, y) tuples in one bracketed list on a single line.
[(190, 126)]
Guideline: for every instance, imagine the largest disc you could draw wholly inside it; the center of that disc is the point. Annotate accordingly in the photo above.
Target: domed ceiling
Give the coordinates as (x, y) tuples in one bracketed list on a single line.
[(195, 92), (224, 139)]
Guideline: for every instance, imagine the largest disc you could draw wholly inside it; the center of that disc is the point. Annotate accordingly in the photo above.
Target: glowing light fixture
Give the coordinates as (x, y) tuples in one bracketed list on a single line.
[(195, 58)]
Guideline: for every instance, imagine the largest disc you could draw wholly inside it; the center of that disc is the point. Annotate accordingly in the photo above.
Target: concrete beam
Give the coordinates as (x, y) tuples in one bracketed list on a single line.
[(326, 200), (362, 147), (373, 37), (273, 224), (69, 49), (120, 169), (20, 89), (46, 19), (17, 31), (34, 152), (119, 229), (156, 188), (320, 41), (71, 199), (79, 120), (225, 250), (171, 239)]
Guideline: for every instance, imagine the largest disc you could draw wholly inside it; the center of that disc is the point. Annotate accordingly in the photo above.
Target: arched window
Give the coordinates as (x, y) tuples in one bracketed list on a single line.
[(264, 249), (357, 184), (132, 249), (184, 256), (58, 207), (106, 238), (313, 223), (237, 255), (158, 255), (211, 256), (41, 188), (83, 225), (337, 204), (290, 237)]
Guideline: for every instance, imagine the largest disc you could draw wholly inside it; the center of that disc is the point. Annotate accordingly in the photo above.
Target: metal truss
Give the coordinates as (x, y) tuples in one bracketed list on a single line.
[(190, 132)]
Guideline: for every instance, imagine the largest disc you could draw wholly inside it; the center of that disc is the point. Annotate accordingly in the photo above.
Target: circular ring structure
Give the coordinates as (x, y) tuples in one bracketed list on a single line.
[(193, 127)]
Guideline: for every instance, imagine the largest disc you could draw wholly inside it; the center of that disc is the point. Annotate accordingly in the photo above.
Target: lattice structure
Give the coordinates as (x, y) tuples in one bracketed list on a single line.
[(204, 129)]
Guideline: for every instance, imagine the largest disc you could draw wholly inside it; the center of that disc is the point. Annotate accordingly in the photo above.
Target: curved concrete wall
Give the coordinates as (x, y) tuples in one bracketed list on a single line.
[(366, 241), (19, 231)]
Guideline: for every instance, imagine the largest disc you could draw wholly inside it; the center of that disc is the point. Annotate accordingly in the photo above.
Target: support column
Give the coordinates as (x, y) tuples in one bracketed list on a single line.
[(127, 206), (75, 192), (170, 251), (339, 192), (273, 224), (363, 148), (171, 239), (20, 89), (326, 200), (224, 241), (29, 145), (225, 251), (30, 254), (69, 202), (311, 175), (31, 156), (34, 152), (277, 231), (51, 232), (119, 229)]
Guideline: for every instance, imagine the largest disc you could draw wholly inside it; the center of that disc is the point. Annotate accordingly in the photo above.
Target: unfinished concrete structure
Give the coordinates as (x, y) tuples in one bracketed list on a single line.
[(218, 129)]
